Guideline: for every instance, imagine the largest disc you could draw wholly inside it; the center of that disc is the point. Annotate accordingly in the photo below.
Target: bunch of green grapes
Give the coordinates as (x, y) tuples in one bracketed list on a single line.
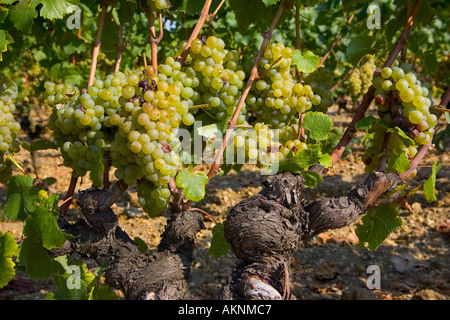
[(361, 78), (403, 101), (278, 96), (145, 145), (80, 118), (355, 83), (218, 75), (321, 82), (263, 146), (158, 4), (152, 198), (9, 128)]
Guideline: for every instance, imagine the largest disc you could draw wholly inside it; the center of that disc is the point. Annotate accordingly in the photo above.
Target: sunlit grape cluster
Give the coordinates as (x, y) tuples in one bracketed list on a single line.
[(278, 96), (264, 146), (403, 101), (9, 128), (145, 144), (79, 119), (360, 79), (217, 78)]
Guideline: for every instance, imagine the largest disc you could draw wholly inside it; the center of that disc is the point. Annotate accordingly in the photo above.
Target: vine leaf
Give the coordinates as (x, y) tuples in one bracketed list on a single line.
[(358, 47), (193, 184), (21, 197), (8, 249), (306, 61), (398, 160), (219, 245), (376, 226), (23, 13), (312, 178), (318, 124), (430, 184)]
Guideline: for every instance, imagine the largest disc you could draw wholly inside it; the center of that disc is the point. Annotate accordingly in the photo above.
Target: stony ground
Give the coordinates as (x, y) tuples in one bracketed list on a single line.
[(414, 262)]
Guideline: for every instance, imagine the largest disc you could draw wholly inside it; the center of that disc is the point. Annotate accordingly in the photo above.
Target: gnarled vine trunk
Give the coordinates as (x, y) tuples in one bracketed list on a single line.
[(264, 231)]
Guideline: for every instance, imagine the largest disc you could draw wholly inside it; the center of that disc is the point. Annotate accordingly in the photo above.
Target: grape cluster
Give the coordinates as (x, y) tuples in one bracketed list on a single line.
[(153, 200), (321, 82), (361, 78), (403, 101), (9, 128), (217, 78), (145, 144), (264, 146), (79, 119), (278, 96)]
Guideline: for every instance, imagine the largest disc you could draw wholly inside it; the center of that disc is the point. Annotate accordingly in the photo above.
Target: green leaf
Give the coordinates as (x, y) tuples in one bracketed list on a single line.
[(269, 2), (193, 184), (312, 178), (358, 47), (306, 61), (34, 257), (56, 9), (376, 226), (430, 184), (98, 168), (44, 223), (366, 123), (40, 145), (318, 124), (219, 245), (326, 160), (143, 248), (8, 249), (251, 12), (291, 164), (22, 15), (402, 136), (398, 160), (21, 197)]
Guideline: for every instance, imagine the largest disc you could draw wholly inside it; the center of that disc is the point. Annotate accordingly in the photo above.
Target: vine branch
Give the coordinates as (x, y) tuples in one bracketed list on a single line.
[(368, 97), (201, 21), (98, 41), (253, 75)]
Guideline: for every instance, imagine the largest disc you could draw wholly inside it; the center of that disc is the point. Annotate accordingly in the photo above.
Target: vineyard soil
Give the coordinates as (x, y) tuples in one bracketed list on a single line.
[(414, 261)]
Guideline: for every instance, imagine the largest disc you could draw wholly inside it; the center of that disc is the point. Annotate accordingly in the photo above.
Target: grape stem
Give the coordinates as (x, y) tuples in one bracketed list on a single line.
[(120, 49), (98, 41), (154, 40), (273, 65), (64, 206), (254, 73), (337, 85), (368, 97), (201, 21), (213, 15)]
